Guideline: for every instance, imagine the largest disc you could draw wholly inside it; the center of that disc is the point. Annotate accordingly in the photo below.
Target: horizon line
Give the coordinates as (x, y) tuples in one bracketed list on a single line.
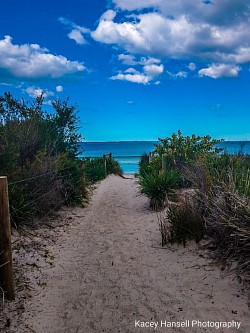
[(114, 141)]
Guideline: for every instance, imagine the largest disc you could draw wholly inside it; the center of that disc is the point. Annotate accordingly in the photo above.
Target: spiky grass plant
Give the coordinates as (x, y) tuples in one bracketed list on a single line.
[(158, 186), (185, 222), (164, 229)]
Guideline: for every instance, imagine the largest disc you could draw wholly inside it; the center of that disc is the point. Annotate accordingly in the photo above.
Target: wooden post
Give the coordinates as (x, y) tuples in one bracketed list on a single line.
[(6, 272), (105, 164), (151, 156), (84, 187)]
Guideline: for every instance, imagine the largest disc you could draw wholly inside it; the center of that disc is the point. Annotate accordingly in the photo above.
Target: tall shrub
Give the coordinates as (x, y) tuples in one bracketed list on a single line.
[(38, 153)]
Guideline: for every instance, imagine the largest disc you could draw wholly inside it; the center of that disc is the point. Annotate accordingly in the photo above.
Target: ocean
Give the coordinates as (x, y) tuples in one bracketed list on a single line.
[(128, 153)]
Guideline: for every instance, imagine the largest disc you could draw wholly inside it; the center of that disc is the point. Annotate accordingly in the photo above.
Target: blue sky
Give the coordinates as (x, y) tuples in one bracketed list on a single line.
[(137, 69)]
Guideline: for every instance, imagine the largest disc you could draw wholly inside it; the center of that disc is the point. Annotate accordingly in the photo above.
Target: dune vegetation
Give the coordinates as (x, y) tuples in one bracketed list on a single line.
[(40, 155), (209, 197)]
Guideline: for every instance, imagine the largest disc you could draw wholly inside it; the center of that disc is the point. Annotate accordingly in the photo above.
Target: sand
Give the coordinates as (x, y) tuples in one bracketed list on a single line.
[(108, 273)]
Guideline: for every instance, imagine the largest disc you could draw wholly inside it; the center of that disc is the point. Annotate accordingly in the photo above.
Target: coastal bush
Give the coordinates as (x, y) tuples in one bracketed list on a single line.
[(222, 184), (159, 186), (95, 168), (113, 167), (179, 150), (143, 163), (146, 168), (39, 155)]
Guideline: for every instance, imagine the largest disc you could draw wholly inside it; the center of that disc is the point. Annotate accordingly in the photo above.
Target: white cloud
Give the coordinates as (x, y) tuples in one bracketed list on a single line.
[(192, 66), (180, 74), (150, 69), (59, 88), (135, 78), (131, 71), (77, 36), (220, 70), (33, 92), (32, 61), (127, 59), (136, 4), (153, 70), (215, 31), (109, 15)]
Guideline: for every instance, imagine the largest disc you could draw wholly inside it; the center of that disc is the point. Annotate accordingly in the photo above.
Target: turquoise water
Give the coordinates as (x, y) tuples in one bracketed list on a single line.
[(128, 153)]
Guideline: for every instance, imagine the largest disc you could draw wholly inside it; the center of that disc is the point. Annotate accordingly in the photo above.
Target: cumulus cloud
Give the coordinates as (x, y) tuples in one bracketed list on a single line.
[(153, 70), (135, 78), (127, 59), (162, 36), (205, 31), (77, 33), (211, 31), (77, 36), (131, 71), (192, 66), (220, 70), (180, 74), (147, 69), (31, 61), (33, 92), (59, 88)]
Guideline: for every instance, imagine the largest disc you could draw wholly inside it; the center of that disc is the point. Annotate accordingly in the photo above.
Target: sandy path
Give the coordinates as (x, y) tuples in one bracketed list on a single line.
[(110, 272)]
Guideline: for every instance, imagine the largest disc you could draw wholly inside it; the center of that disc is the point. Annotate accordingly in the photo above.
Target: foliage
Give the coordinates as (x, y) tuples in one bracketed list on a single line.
[(146, 168), (180, 150), (222, 183), (157, 186), (177, 151), (113, 167), (38, 153), (95, 168), (186, 222)]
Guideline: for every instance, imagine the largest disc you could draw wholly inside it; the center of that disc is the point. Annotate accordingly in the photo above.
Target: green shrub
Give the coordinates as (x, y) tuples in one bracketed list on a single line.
[(113, 167), (95, 168), (180, 150), (157, 186), (39, 155)]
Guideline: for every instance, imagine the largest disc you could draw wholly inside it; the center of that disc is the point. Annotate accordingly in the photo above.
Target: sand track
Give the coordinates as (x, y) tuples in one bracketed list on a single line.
[(110, 272)]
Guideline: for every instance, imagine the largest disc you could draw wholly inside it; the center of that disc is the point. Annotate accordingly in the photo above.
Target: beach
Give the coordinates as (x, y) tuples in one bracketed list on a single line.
[(109, 273)]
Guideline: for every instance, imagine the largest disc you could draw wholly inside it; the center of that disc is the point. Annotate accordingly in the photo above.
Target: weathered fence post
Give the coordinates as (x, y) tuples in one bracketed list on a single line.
[(84, 187), (105, 156), (6, 272), (151, 156), (105, 164)]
